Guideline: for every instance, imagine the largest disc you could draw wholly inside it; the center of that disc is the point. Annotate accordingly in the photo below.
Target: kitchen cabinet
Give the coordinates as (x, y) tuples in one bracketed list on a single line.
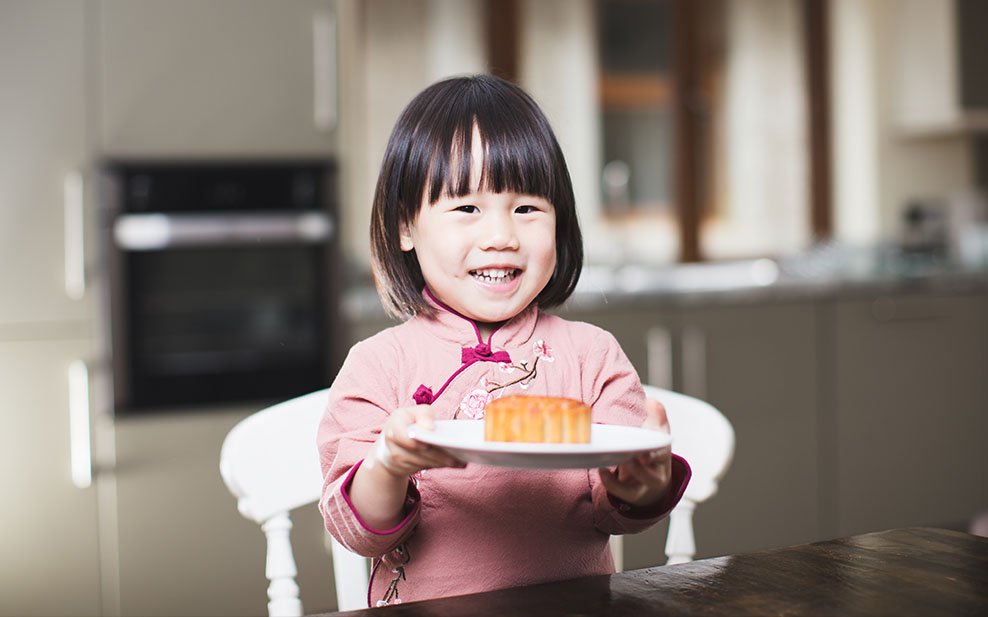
[(49, 538), (43, 149), (218, 78), (48, 526), (907, 417), (757, 363), (938, 50), (184, 548)]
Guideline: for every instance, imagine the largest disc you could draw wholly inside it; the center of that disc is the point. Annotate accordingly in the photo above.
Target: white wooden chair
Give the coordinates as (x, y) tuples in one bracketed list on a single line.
[(270, 463), (705, 438)]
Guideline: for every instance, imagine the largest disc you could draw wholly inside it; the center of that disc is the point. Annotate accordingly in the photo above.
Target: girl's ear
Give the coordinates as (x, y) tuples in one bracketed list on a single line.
[(405, 236)]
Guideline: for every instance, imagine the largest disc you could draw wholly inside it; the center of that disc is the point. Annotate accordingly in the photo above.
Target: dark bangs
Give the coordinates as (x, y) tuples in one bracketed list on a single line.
[(429, 155), (520, 153)]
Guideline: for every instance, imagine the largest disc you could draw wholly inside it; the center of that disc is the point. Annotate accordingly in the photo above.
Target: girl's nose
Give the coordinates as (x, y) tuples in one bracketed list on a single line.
[(500, 235)]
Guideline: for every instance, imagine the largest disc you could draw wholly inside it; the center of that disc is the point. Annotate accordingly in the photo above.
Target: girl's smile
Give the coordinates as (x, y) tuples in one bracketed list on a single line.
[(496, 276)]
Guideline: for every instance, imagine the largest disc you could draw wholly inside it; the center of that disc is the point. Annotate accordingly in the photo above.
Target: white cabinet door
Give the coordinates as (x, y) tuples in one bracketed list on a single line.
[(50, 561), (909, 411), (42, 144), (224, 77)]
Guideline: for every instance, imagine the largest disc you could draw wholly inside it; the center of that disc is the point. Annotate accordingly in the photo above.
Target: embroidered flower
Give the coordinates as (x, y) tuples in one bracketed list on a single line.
[(543, 351), (472, 405), (506, 367)]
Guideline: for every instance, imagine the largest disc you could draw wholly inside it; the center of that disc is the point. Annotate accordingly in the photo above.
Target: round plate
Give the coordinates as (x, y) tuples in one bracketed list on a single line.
[(610, 444)]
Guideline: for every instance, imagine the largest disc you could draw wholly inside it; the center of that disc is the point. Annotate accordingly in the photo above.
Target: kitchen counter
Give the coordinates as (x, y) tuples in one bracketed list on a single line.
[(821, 275)]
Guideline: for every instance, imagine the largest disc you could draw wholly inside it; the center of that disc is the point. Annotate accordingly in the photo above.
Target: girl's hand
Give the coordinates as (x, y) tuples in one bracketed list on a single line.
[(643, 480), (400, 455)]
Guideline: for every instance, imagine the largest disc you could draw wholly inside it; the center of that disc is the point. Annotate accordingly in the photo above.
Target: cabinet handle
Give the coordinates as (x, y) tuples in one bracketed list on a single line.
[(324, 66), (658, 351), (74, 240), (694, 362), (79, 425)]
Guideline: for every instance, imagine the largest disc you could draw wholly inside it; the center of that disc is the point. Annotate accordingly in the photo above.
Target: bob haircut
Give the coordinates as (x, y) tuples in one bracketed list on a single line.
[(428, 155)]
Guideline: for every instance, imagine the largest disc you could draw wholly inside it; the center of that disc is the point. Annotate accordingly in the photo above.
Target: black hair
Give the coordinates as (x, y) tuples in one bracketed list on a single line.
[(429, 155)]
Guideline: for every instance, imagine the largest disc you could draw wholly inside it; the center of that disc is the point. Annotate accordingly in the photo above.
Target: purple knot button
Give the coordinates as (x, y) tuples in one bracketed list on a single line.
[(423, 396)]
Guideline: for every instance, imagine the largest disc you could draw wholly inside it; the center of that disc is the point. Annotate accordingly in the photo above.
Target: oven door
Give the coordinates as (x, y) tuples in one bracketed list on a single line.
[(220, 309)]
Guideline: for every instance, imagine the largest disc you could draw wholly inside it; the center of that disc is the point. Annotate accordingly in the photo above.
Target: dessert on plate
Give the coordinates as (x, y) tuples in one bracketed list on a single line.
[(537, 419)]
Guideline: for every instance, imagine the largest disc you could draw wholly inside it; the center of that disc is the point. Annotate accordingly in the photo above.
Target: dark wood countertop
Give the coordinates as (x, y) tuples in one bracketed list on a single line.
[(902, 572)]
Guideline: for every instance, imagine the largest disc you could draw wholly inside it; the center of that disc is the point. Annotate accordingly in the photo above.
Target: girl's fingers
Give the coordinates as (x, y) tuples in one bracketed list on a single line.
[(423, 416), (409, 448), (626, 489), (403, 462), (639, 478), (410, 454), (655, 416), (397, 427), (405, 455)]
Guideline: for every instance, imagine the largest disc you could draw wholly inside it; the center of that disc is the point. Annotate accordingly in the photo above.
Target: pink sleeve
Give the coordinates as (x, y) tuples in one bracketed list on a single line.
[(612, 387), (360, 401)]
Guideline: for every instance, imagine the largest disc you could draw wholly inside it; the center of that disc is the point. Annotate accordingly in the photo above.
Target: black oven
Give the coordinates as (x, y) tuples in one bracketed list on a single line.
[(223, 285)]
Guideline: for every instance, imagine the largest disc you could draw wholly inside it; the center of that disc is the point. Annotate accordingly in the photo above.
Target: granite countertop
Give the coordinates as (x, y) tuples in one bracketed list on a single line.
[(768, 280), (821, 275)]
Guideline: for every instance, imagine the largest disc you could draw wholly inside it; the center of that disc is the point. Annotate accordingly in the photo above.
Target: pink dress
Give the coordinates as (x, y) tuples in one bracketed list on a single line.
[(482, 527)]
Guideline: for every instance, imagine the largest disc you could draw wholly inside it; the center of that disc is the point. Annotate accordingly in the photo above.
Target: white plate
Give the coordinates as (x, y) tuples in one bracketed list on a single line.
[(609, 445)]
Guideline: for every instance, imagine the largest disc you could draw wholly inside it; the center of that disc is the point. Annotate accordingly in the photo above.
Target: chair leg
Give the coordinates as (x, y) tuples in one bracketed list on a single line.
[(617, 551), (680, 543), (280, 568), (351, 574)]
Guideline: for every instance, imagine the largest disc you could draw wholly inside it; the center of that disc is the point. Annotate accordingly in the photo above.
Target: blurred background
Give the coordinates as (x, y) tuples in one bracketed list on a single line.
[(783, 203)]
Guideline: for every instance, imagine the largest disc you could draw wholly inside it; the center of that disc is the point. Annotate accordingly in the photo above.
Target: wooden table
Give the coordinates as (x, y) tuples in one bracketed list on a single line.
[(902, 572)]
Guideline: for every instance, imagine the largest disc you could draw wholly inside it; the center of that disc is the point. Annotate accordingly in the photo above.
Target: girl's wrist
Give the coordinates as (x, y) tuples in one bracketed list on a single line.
[(380, 463)]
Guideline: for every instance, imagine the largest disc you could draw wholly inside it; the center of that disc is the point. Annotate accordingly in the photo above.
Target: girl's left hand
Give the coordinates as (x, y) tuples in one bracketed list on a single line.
[(644, 479)]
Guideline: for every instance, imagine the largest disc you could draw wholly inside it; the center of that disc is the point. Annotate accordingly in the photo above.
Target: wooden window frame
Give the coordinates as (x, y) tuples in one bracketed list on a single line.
[(689, 110)]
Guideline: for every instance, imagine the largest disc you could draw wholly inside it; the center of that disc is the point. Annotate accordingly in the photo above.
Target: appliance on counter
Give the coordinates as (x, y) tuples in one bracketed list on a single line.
[(223, 282)]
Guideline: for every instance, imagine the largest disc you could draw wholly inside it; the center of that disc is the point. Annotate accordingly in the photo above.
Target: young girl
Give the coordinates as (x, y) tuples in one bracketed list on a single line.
[(474, 233)]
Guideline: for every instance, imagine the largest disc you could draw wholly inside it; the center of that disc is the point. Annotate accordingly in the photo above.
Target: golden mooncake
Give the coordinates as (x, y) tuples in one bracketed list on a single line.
[(537, 419)]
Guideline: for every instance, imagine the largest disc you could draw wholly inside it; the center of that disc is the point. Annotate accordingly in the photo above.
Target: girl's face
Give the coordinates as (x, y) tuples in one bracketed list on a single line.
[(485, 255)]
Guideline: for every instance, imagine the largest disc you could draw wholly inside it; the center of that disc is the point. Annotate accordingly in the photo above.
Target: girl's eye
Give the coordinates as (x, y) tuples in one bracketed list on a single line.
[(526, 209), (467, 208)]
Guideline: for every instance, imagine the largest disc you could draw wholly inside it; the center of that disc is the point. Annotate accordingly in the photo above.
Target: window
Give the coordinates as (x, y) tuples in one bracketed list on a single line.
[(710, 120)]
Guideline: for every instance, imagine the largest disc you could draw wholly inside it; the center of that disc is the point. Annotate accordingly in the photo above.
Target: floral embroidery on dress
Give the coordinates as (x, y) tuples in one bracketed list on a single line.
[(543, 351), (473, 404), (401, 556)]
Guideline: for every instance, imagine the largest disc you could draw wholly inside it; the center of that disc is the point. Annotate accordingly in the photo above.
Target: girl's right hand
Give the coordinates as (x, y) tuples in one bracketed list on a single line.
[(401, 455)]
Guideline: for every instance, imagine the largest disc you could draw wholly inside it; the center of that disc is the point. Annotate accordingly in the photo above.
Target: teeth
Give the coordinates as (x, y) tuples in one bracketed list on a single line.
[(494, 275)]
